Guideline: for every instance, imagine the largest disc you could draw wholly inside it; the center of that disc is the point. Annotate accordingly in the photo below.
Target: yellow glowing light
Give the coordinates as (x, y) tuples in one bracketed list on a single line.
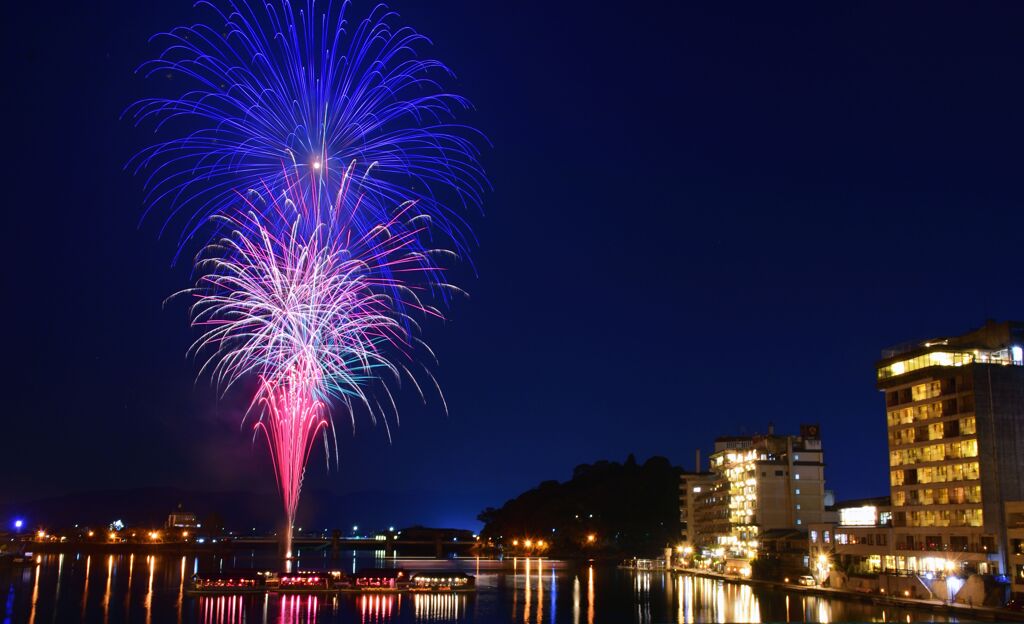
[(679, 549), (529, 543), (153, 535), (91, 533), (687, 550), (515, 542), (184, 533), (111, 535), (591, 538), (41, 534), (540, 543)]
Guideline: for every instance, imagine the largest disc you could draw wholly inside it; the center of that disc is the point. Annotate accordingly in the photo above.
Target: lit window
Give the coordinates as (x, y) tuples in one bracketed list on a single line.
[(798, 491), (796, 476), (798, 505), (798, 521)]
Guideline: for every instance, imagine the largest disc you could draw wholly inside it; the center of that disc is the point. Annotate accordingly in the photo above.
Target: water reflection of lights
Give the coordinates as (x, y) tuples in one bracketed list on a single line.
[(685, 593), (428, 607), (376, 608), (148, 602), (702, 598), (106, 593), (35, 593), (222, 609), (181, 588), (526, 579), (85, 590), (590, 595), (295, 608), (642, 583), (642, 590), (576, 600)]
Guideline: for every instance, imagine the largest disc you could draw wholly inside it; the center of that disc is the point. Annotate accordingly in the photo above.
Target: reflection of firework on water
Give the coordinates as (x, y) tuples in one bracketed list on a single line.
[(270, 85), (316, 313)]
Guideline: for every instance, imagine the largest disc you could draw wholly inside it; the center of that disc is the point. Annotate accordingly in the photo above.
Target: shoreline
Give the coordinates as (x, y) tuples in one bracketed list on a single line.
[(992, 614)]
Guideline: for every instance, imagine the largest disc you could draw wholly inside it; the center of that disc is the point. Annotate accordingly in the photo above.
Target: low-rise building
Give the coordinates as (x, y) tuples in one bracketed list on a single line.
[(1015, 546), (180, 519), (692, 486)]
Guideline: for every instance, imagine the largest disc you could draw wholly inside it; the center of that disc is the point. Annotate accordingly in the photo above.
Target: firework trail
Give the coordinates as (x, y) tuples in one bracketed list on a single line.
[(311, 313), (276, 86)]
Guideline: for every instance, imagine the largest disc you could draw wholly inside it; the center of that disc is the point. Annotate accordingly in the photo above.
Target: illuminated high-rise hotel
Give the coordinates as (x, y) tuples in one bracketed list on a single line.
[(955, 414), (757, 484)]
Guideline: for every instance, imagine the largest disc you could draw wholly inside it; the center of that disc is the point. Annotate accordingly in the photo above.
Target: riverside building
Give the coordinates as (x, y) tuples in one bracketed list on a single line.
[(756, 484), (955, 415)]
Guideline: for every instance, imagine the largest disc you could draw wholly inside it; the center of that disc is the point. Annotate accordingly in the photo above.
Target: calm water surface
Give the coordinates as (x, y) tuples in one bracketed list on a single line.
[(153, 588)]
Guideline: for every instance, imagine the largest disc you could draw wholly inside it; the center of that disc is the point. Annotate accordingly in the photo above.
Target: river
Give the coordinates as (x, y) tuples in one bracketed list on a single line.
[(154, 588)]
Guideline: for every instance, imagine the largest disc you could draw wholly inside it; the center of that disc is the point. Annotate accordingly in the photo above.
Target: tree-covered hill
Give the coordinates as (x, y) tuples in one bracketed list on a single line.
[(607, 507)]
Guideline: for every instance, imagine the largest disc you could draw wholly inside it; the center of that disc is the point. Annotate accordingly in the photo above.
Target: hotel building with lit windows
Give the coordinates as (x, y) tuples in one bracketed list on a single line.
[(955, 420), (955, 417), (756, 484)]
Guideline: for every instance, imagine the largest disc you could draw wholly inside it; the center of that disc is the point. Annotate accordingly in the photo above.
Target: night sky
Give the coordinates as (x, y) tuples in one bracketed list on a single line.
[(704, 218)]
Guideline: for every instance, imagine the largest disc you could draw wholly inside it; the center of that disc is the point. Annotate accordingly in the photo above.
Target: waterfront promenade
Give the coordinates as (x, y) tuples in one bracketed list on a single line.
[(960, 611)]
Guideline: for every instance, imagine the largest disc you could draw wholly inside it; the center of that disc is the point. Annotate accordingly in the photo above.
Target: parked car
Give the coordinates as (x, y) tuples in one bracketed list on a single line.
[(807, 581)]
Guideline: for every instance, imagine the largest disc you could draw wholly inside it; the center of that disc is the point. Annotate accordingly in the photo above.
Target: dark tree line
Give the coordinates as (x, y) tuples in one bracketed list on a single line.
[(628, 508)]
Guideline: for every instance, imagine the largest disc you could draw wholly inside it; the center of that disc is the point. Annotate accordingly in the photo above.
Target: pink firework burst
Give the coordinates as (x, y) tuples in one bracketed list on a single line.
[(320, 314)]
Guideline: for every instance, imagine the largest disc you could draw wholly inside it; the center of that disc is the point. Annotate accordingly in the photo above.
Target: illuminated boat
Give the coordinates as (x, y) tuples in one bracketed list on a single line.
[(380, 580), (443, 581), (238, 581), (311, 581)]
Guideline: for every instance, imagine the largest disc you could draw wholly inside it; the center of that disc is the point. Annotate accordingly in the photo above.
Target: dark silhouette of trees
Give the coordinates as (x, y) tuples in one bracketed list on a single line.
[(629, 508)]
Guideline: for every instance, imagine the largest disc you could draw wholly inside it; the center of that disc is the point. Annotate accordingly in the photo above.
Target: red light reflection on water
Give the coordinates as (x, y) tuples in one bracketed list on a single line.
[(222, 609)]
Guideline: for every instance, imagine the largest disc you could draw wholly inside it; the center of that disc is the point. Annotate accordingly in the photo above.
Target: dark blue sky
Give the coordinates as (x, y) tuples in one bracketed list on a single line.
[(705, 218)]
